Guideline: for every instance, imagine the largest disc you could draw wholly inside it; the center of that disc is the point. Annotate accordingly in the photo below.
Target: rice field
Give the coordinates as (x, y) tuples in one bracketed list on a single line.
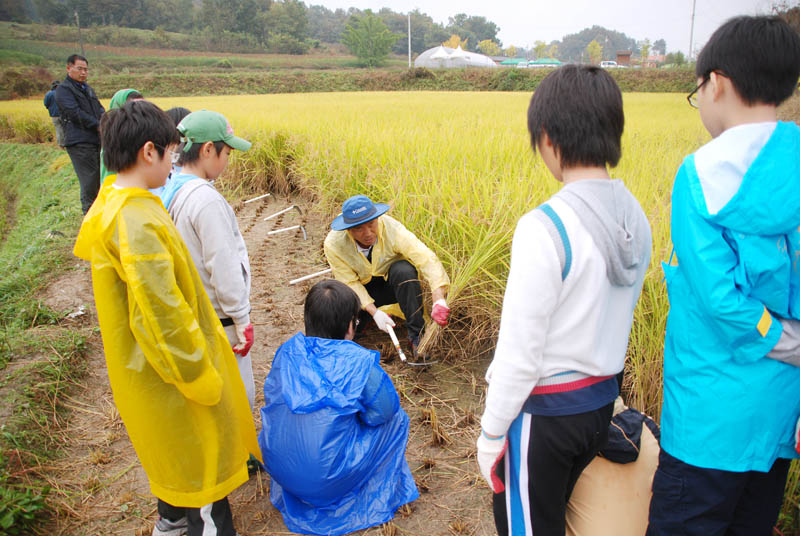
[(458, 170)]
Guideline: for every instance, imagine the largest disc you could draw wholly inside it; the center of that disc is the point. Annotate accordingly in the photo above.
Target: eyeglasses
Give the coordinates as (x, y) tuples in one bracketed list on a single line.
[(692, 97), (173, 155)]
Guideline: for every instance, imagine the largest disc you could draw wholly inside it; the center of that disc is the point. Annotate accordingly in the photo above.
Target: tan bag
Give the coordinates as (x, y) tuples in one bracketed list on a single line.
[(613, 499)]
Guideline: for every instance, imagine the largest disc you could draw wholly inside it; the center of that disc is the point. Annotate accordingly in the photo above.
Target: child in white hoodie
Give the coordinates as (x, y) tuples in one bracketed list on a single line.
[(577, 266), (208, 225)]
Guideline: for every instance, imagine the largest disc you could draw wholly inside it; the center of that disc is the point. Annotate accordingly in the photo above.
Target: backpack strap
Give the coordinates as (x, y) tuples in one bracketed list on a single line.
[(558, 233)]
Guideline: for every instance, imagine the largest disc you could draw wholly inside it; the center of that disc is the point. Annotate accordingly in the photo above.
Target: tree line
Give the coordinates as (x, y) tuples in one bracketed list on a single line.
[(282, 26), (292, 27)]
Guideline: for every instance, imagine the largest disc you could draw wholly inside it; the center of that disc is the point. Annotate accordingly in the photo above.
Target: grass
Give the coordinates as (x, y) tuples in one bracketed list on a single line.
[(109, 58), (39, 359)]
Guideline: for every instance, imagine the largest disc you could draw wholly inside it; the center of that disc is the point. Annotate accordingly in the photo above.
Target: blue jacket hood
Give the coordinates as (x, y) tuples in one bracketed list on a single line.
[(767, 201), (174, 183), (323, 373)]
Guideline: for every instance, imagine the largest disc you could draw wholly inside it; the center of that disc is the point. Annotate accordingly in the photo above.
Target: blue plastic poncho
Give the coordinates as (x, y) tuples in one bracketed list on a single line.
[(726, 405), (334, 437)]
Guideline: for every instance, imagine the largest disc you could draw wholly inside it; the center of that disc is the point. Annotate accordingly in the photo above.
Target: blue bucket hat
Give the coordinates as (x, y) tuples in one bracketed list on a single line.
[(357, 210)]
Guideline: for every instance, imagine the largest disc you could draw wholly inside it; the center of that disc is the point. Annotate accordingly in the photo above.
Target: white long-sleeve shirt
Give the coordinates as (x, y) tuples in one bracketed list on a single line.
[(208, 225), (550, 326)]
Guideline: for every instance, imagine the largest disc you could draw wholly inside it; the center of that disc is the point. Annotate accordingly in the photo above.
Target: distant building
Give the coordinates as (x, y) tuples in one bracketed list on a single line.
[(624, 57), (442, 57), (544, 62), (513, 62), (654, 60)]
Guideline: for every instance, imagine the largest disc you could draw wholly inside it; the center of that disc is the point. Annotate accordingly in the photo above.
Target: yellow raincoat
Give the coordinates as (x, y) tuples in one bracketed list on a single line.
[(174, 378), (394, 242)]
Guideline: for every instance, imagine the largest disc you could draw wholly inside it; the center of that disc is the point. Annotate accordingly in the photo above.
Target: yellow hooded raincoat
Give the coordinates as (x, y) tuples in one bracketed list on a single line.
[(174, 378), (394, 243)]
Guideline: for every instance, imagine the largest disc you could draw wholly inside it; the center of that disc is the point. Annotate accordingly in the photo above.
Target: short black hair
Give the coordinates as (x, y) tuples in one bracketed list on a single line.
[(330, 308), (193, 154), (178, 113), (580, 109), (125, 130), (75, 57), (760, 56), (55, 84)]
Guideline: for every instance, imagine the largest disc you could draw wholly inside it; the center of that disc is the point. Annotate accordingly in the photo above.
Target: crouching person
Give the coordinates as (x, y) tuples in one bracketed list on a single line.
[(334, 435), (377, 257)]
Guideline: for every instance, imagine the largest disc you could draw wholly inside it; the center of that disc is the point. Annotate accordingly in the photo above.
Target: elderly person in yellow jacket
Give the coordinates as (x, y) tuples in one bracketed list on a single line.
[(380, 259)]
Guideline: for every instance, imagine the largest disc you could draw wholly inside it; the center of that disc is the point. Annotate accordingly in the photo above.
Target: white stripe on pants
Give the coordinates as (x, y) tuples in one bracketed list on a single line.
[(209, 527)]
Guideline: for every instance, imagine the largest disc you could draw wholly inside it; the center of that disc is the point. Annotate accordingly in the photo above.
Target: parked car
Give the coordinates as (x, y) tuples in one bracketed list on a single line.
[(609, 64)]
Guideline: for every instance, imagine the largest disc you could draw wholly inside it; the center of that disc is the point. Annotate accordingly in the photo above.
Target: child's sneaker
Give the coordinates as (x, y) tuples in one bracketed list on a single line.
[(254, 466), (165, 527)]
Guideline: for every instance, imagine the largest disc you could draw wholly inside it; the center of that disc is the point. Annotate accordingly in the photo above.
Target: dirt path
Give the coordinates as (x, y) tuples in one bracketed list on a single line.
[(101, 488)]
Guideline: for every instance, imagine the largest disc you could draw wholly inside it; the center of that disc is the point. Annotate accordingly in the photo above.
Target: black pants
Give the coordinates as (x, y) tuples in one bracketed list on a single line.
[(559, 449), (694, 501), (214, 519), (86, 162), (401, 287)]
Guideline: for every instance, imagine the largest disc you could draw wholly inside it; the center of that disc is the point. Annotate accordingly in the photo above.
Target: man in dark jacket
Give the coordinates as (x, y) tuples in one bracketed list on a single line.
[(81, 111)]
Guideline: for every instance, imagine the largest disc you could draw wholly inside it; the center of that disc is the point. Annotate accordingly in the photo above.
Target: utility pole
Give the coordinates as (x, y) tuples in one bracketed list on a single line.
[(691, 31), (409, 39), (80, 38)]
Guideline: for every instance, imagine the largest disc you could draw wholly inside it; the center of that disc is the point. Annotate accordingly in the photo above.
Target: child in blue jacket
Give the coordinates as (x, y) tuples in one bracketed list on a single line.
[(729, 406)]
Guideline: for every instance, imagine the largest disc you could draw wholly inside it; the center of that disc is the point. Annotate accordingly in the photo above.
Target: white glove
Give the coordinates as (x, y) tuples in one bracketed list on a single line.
[(489, 371), (490, 453), (382, 320)]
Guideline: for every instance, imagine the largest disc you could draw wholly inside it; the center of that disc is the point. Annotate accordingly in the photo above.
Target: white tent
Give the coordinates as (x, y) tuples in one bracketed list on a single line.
[(458, 53), (440, 54), (445, 57)]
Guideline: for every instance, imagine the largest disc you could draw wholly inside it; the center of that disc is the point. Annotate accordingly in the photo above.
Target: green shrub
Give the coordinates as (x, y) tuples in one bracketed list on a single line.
[(417, 73), (19, 508), (224, 63), (286, 44)]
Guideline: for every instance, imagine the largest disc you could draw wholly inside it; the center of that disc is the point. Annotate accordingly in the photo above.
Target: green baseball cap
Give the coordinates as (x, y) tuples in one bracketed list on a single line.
[(204, 125)]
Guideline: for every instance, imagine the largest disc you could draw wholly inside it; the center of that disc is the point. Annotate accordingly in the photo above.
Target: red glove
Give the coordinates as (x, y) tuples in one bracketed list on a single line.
[(797, 437), (440, 312), (245, 336)]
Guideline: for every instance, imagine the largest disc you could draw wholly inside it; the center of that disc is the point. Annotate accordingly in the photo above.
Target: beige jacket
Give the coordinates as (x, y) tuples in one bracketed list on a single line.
[(394, 242)]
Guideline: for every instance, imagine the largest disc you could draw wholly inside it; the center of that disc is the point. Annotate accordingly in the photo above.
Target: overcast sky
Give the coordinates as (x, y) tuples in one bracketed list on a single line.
[(522, 22)]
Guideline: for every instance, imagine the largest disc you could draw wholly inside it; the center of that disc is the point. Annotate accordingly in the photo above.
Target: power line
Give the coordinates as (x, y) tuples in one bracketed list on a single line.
[(691, 31)]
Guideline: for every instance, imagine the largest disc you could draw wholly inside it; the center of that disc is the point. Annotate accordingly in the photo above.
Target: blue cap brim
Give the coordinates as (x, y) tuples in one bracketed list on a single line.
[(339, 224)]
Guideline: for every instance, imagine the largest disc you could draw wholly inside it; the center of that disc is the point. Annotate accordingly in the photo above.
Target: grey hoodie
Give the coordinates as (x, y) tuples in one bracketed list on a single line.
[(616, 223)]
